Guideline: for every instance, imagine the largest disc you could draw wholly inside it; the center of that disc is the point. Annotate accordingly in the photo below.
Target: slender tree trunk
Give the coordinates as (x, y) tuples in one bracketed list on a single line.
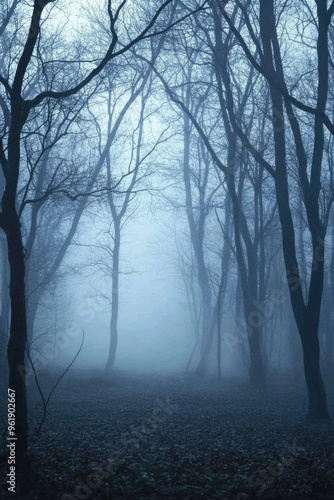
[(279, 357), (247, 259), (115, 298), (239, 314), (219, 337), (197, 240), (253, 316), (216, 316), (225, 264), (295, 347), (195, 317), (208, 324)]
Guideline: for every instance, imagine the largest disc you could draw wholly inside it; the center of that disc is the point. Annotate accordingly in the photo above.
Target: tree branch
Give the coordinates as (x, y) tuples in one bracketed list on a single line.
[(108, 57), (283, 91)]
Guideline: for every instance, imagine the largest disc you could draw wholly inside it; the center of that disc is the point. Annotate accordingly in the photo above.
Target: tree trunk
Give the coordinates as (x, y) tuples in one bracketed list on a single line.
[(256, 370), (330, 332), (306, 311), (18, 331), (11, 225), (257, 374), (219, 336), (115, 299), (315, 385), (197, 232), (225, 264), (5, 309), (253, 316), (207, 342)]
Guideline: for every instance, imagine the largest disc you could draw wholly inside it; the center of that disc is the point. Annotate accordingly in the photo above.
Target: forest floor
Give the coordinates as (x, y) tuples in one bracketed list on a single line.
[(176, 437)]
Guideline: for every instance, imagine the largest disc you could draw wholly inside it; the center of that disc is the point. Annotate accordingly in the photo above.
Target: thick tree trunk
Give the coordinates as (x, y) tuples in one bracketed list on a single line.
[(5, 309), (307, 319), (315, 386), (257, 373), (18, 331), (255, 320), (330, 331), (306, 311), (253, 316), (308, 325), (11, 225), (318, 408)]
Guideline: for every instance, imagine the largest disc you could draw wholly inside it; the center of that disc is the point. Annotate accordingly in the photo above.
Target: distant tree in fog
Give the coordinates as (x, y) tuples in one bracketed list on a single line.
[(209, 91)]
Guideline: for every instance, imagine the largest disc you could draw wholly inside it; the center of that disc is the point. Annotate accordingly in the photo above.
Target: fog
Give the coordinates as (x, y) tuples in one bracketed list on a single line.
[(166, 249), (154, 330)]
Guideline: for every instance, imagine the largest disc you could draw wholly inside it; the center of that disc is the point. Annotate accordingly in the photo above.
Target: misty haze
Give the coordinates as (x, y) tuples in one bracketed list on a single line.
[(167, 249)]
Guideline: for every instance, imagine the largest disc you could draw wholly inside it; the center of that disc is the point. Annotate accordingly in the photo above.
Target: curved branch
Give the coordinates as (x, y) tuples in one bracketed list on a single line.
[(108, 57)]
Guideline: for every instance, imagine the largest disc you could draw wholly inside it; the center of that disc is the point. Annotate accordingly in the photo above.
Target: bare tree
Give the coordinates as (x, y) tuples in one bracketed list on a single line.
[(249, 235), (287, 119), (19, 106)]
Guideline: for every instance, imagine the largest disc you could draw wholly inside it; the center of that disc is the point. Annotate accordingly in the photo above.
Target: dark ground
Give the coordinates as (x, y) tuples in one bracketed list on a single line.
[(176, 437)]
